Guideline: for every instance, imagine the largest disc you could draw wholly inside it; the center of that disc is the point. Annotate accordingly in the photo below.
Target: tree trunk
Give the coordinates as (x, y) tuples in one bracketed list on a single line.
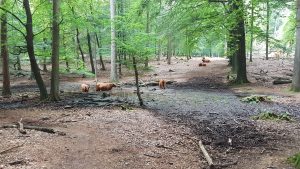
[(147, 32), (267, 31), (99, 44), (4, 55), (18, 63), (113, 71), (251, 31), (90, 52), (240, 43), (296, 76), (54, 91), (79, 46), (159, 51), (169, 50), (30, 49), (136, 74)]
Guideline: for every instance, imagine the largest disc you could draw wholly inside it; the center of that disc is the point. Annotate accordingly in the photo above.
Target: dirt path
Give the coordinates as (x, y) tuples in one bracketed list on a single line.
[(199, 106)]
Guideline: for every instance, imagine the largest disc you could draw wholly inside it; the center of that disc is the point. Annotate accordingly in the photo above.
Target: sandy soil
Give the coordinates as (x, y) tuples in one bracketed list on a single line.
[(112, 132)]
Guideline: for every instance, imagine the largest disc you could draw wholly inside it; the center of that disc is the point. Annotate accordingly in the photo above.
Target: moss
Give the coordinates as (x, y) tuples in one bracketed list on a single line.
[(257, 99)]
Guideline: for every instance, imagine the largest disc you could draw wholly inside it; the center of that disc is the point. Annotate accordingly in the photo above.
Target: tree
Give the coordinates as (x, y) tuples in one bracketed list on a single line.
[(239, 41), (90, 52), (4, 55), (54, 91), (113, 71), (296, 76), (30, 49)]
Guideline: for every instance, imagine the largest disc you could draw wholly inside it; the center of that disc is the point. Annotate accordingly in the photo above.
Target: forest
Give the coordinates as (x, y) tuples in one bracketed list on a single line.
[(150, 84)]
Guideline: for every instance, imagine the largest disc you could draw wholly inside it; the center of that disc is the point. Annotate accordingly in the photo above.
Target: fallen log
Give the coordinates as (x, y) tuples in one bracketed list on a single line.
[(37, 128), (282, 81)]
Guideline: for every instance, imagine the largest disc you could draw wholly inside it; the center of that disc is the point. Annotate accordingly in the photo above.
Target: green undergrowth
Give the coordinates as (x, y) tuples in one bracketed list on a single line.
[(272, 116), (295, 160), (256, 99)]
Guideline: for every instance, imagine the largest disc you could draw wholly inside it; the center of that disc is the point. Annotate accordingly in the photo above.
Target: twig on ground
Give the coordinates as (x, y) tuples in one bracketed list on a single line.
[(206, 155)]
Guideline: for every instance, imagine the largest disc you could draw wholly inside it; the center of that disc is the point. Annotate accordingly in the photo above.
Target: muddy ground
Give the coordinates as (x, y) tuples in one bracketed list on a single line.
[(97, 130)]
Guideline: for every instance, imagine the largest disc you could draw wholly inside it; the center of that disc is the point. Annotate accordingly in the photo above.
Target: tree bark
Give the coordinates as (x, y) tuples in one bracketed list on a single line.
[(251, 32), (79, 45), (90, 52), (267, 31), (240, 42), (296, 76), (99, 44), (136, 74), (54, 91), (113, 71), (30, 49), (4, 55), (169, 50)]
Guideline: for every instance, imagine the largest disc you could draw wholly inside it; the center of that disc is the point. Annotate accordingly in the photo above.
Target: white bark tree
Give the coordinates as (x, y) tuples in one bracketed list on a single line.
[(113, 71)]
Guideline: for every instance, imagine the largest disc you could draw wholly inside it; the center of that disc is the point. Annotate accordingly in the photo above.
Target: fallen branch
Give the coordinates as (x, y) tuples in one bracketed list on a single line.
[(10, 149), (206, 155), (37, 128)]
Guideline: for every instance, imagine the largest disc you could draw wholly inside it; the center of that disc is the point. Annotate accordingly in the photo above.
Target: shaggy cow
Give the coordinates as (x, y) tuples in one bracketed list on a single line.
[(162, 84), (85, 88), (202, 64), (104, 86)]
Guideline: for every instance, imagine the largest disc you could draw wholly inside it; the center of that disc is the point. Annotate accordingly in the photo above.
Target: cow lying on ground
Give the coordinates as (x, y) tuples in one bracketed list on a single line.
[(104, 86), (85, 88), (204, 60), (202, 64), (162, 84)]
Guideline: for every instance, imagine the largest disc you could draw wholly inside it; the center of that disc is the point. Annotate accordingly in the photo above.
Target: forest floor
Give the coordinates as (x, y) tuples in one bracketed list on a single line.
[(97, 130)]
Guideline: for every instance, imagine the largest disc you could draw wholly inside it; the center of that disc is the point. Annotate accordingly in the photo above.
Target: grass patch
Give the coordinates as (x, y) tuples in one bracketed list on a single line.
[(272, 116), (295, 160), (256, 99)]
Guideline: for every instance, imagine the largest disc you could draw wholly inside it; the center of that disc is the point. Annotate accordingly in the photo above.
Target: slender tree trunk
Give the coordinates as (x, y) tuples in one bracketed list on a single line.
[(267, 31), (30, 49), (169, 50), (296, 76), (79, 45), (136, 74), (159, 51), (4, 55), (54, 91), (99, 44), (113, 71), (90, 52), (18, 63), (147, 32), (251, 31)]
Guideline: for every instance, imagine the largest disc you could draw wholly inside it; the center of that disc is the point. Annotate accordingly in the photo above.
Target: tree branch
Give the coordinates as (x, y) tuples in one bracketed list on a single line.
[(36, 8), (17, 29), (15, 16), (43, 30)]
